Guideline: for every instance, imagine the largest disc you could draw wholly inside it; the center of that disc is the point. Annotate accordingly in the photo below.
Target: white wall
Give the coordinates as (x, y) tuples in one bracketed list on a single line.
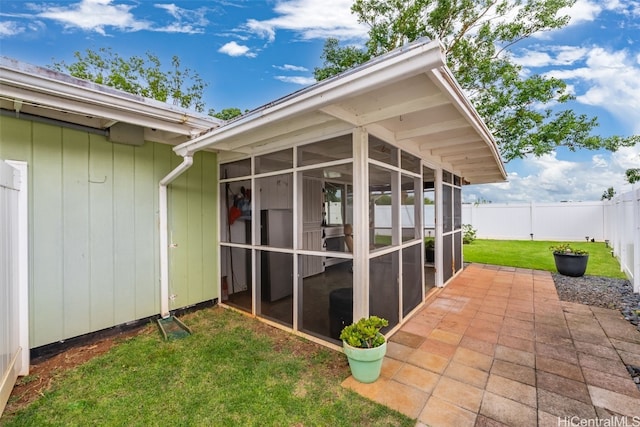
[(383, 222), (617, 221), (572, 221), (622, 219), (14, 336)]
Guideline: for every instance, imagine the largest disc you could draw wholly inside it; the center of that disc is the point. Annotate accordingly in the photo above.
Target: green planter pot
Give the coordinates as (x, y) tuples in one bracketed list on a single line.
[(365, 363)]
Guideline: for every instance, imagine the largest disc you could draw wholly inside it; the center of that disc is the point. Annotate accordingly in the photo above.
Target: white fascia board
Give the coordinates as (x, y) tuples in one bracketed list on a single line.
[(443, 78), (34, 84), (400, 65)]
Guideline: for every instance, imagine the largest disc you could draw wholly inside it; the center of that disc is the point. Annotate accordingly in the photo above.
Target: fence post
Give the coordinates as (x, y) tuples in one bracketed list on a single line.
[(635, 226)]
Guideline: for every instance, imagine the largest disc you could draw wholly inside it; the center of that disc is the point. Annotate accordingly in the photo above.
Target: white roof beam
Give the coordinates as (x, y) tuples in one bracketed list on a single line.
[(403, 108), (454, 149), (432, 128)]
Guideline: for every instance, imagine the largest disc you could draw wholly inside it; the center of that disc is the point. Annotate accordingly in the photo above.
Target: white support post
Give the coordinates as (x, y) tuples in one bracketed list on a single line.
[(635, 199), (438, 259), (297, 238), (360, 224), (23, 266)]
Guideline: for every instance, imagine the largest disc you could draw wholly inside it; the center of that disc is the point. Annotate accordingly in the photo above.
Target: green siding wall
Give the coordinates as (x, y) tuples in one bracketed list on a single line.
[(93, 224)]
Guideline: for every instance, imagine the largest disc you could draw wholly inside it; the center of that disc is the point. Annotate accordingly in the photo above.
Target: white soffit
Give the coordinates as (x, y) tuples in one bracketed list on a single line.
[(407, 97)]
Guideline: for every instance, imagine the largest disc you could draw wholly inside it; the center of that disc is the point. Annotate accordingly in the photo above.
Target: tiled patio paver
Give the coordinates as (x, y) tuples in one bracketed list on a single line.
[(496, 347)]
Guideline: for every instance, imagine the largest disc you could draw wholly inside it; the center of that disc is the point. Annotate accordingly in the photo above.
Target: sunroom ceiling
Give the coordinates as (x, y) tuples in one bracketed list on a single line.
[(408, 98)]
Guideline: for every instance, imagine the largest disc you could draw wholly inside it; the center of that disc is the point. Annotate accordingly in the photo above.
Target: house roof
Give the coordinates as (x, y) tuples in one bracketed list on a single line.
[(407, 97), (41, 93)]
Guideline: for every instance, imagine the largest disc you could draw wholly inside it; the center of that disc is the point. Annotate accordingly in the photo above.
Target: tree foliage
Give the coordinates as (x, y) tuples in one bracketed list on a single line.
[(477, 36), (608, 194), (226, 113), (142, 76), (633, 175)]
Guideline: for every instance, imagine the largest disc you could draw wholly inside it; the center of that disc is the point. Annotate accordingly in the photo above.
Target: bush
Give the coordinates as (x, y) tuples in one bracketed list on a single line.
[(468, 234), (365, 333)]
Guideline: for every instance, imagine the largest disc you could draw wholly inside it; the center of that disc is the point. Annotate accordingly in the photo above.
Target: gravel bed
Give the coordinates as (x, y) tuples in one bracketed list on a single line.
[(603, 292), (599, 291)]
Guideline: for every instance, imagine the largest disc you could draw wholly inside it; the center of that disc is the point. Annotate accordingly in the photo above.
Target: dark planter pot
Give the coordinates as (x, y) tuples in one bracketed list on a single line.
[(571, 264), (430, 254)]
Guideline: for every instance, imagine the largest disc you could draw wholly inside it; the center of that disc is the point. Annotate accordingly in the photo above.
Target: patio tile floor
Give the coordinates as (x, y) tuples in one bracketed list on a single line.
[(496, 347)]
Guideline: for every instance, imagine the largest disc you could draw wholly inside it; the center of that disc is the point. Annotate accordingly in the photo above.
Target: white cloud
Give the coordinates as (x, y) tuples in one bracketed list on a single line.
[(262, 29), (10, 28), (299, 80), (611, 82), (551, 55), (234, 49), (92, 15), (99, 15), (550, 179), (599, 161), (588, 11), (583, 11), (626, 158), (289, 67), (186, 21), (311, 19)]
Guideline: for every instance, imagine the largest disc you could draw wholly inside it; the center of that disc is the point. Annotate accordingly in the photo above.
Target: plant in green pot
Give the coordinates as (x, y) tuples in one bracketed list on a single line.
[(365, 347), (570, 261)]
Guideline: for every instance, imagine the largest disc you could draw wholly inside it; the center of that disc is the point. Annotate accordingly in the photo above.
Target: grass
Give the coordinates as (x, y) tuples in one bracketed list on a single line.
[(232, 371), (536, 255)]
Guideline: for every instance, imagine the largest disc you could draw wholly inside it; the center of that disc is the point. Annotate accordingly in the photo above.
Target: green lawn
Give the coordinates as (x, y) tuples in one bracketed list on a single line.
[(233, 371), (536, 255)]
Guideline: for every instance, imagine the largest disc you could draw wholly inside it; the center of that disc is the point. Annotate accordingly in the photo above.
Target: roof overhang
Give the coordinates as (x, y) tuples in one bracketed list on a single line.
[(407, 97), (44, 93)]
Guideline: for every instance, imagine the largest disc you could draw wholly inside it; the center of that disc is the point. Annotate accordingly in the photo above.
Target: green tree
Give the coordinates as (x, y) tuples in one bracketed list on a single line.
[(633, 175), (226, 113), (383, 199), (477, 36), (142, 76), (609, 194)]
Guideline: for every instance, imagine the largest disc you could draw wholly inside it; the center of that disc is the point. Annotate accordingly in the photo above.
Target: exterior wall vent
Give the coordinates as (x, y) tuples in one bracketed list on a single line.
[(125, 133)]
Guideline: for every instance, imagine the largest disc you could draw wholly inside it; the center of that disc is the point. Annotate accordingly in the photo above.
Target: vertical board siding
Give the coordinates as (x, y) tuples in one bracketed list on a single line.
[(209, 240), (48, 239), (194, 231), (102, 232), (147, 292), (94, 258), (192, 272), (75, 226), (178, 238), (124, 231)]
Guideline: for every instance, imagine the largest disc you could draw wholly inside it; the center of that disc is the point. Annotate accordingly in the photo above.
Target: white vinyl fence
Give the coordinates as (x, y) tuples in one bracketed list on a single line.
[(616, 221), (573, 221), (14, 338), (622, 228)]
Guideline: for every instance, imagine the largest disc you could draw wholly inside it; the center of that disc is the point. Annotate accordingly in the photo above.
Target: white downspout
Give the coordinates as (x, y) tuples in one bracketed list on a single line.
[(187, 161)]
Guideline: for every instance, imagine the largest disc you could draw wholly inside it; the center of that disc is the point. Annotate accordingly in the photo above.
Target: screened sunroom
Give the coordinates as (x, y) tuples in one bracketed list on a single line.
[(343, 200)]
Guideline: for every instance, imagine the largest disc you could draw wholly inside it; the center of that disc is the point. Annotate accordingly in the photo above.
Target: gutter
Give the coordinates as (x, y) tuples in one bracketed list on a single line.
[(187, 161)]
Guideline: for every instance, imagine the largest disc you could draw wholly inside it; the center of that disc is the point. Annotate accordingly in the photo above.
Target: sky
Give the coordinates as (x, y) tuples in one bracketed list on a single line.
[(253, 52)]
